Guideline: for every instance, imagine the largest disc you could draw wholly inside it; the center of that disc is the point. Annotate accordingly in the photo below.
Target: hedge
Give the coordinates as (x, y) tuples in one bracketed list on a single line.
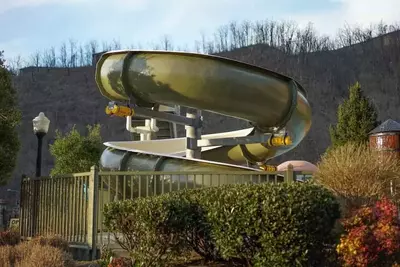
[(260, 225)]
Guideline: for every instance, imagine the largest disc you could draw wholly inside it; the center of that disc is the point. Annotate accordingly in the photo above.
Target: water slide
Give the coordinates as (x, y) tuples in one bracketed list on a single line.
[(275, 105)]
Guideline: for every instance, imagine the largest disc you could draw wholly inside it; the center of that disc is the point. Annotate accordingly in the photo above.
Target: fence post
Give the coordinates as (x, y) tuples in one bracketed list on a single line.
[(35, 203), (289, 177), (93, 196)]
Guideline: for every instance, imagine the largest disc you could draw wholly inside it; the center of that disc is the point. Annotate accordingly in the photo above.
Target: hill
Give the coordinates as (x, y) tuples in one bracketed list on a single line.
[(69, 96)]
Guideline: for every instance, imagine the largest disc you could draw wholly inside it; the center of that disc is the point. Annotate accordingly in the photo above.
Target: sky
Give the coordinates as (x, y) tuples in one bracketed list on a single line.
[(27, 26)]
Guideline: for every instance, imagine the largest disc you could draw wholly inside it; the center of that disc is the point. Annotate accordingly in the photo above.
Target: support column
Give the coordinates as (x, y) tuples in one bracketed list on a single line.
[(92, 211), (192, 135), (147, 126)]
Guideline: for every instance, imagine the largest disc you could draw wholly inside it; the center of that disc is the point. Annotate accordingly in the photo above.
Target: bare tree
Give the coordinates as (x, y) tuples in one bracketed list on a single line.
[(258, 29), (382, 28), (223, 38), (53, 62), (210, 48), (197, 46), (82, 58), (284, 35), (46, 58), (204, 46), (271, 34), (63, 56), (132, 46), (15, 64), (394, 27), (106, 46), (88, 54), (166, 43), (183, 48), (35, 59), (94, 46), (49, 58), (116, 45), (72, 53), (246, 27), (345, 36), (289, 35)]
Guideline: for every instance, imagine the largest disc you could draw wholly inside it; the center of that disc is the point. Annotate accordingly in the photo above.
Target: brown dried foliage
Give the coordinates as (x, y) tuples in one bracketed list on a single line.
[(38, 255), (357, 174), (7, 256), (9, 238), (51, 240), (41, 251)]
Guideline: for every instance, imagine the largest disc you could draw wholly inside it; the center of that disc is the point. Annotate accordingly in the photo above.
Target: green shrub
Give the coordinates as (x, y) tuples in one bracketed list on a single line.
[(197, 230), (151, 228), (260, 225), (272, 225)]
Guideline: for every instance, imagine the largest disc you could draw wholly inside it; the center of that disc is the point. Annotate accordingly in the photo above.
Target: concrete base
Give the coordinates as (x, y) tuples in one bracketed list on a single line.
[(82, 253)]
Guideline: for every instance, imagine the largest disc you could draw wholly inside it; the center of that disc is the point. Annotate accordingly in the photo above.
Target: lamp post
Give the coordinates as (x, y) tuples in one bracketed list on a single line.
[(40, 128)]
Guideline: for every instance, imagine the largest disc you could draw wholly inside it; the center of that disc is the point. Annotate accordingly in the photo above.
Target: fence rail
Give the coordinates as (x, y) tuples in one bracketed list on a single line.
[(55, 206), (72, 205)]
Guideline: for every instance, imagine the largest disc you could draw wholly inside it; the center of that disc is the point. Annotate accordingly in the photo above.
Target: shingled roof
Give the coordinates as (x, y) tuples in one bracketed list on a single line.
[(388, 126)]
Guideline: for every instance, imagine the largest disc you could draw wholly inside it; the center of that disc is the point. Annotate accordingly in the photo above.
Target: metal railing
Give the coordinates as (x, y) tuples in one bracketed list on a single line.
[(72, 205), (55, 205)]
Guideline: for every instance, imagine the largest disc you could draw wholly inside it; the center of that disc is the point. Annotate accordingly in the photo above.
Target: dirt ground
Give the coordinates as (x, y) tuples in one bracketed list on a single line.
[(195, 261), (198, 263)]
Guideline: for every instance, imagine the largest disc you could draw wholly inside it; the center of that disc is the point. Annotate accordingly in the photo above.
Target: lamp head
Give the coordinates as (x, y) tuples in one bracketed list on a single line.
[(41, 124)]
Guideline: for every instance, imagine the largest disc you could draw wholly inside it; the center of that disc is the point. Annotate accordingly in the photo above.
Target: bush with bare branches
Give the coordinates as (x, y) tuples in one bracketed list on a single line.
[(357, 174), (46, 255), (51, 240), (7, 256), (9, 238), (41, 251)]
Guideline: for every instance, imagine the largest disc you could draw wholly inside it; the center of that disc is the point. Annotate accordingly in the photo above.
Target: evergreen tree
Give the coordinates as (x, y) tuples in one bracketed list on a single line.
[(10, 117), (74, 152), (356, 118)]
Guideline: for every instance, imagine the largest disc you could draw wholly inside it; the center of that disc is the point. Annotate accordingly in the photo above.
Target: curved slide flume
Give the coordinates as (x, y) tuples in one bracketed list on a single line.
[(268, 100)]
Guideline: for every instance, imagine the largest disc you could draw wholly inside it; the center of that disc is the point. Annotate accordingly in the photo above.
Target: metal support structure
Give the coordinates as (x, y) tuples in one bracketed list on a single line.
[(144, 131), (92, 207), (193, 135), (193, 124), (163, 116), (122, 111), (232, 141)]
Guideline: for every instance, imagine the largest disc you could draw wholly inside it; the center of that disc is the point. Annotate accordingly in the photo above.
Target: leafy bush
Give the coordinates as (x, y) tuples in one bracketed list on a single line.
[(10, 238), (74, 152), (106, 254), (261, 225), (10, 117), (271, 225), (356, 174), (372, 236), (357, 116), (150, 227)]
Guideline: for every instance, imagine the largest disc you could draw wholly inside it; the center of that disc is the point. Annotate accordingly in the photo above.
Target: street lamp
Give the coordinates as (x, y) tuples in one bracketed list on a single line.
[(40, 128)]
